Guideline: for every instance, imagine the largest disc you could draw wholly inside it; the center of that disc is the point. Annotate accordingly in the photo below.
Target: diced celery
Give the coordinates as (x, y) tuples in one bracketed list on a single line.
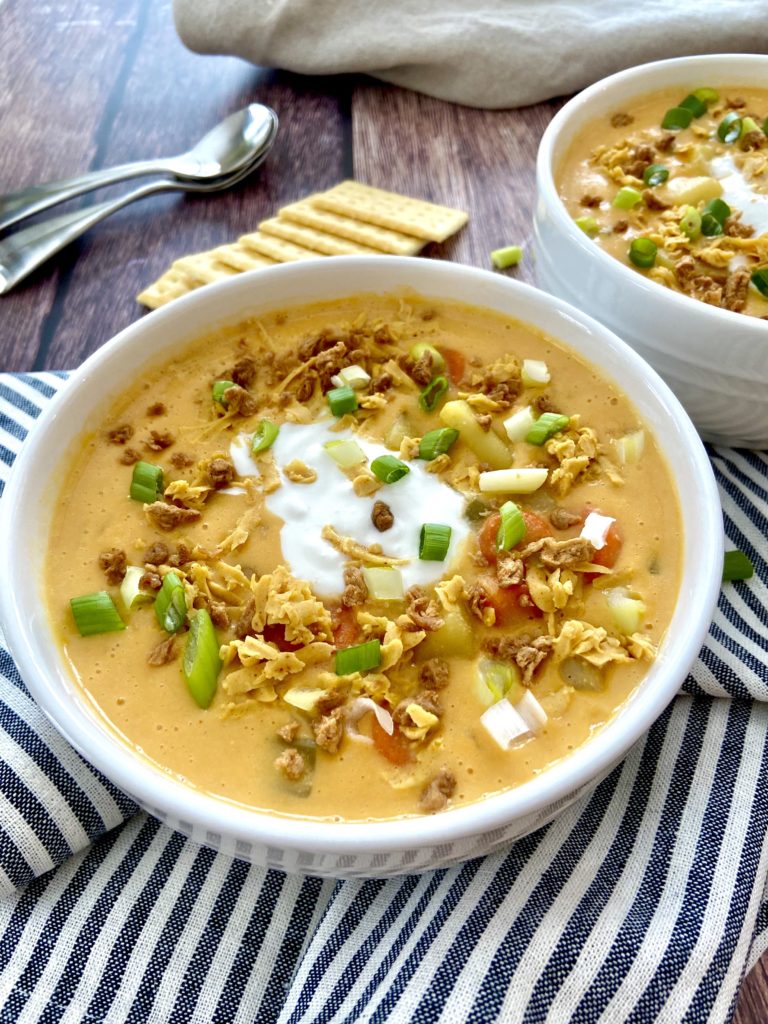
[(345, 453), (627, 612), (629, 448), (497, 679)]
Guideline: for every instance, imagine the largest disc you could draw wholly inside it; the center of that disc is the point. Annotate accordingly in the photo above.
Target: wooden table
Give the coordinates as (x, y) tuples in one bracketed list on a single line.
[(88, 84)]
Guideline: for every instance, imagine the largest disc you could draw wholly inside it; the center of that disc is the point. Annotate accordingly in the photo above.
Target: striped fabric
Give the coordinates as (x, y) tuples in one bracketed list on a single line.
[(644, 901)]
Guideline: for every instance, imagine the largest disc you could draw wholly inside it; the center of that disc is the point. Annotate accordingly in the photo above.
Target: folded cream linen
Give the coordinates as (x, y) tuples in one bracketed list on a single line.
[(482, 53)]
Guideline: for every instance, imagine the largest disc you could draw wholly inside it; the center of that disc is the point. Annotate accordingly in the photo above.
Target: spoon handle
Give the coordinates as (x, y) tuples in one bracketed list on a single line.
[(24, 251), (16, 206)]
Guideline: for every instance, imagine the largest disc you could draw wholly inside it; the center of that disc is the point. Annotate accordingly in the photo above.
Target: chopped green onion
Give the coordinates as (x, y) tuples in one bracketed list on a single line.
[(147, 482), (219, 387), (626, 198), (588, 225), (690, 224), (433, 393), (710, 225), (713, 217), (265, 436), (760, 280), (706, 95), (201, 664), (534, 373), (509, 256), (518, 425), (765, 126), (388, 469), (95, 613), (171, 604), (342, 400), (384, 583), (421, 348), (353, 376), (130, 589), (677, 118), (748, 124), (360, 658), (434, 541), (693, 103), (729, 128), (642, 252), (512, 526), (546, 426), (655, 174), (437, 442), (346, 453), (718, 209), (736, 566), (525, 480)]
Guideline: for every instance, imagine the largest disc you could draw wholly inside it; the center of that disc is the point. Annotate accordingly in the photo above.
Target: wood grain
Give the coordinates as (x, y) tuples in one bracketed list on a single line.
[(89, 83)]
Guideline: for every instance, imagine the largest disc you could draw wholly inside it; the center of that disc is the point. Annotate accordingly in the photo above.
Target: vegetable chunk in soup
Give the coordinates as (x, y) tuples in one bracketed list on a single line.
[(364, 559), (676, 187)]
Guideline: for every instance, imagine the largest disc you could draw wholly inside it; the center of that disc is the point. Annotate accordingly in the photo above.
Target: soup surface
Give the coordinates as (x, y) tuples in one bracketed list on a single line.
[(385, 555), (676, 187)]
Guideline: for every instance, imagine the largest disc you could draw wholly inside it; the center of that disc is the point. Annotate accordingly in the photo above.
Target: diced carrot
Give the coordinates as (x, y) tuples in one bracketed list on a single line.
[(512, 605), (455, 362), (609, 553), (346, 630), (275, 634), (535, 529), (393, 747)]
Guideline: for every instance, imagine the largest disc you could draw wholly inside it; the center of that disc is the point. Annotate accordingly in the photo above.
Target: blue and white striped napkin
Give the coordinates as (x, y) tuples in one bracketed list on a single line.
[(644, 901)]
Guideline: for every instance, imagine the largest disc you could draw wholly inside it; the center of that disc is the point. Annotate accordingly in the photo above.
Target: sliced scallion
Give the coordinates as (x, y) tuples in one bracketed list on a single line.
[(430, 397), (695, 104), (360, 658), (147, 482), (201, 664), (354, 376), (219, 387), (512, 526), (760, 280), (587, 224), (265, 436), (534, 373), (748, 124), (508, 256), (437, 442), (626, 198), (342, 400), (713, 217), (630, 447), (546, 426), (95, 613), (434, 541), (642, 252), (345, 453), (171, 604), (655, 174), (706, 95), (385, 583), (677, 118), (131, 593), (690, 224), (730, 127), (736, 566), (388, 469), (519, 424), (421, 348)]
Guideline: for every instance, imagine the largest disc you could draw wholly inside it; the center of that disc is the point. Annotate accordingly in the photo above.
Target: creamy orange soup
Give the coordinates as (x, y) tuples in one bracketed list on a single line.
[(675, 186), (364, 618)]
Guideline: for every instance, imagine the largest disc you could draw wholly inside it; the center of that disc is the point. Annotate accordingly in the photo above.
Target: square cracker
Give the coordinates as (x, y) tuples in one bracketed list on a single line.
[(204, 267), (318, 241), (239, 258), (389, 210), (377, 238), (172, 285), (277, 248)]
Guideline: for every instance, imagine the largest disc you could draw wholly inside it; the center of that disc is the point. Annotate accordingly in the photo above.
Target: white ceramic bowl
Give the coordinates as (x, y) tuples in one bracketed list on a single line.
[(714, 360), (308, 846)]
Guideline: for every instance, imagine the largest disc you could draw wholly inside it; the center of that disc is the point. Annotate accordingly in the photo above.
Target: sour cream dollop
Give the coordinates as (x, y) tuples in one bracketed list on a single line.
[(417, 498), (739, 194)]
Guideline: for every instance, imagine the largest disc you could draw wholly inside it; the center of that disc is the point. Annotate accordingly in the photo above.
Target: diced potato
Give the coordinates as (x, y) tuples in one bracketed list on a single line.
[(486, 445), (455, 639), (690, 191)]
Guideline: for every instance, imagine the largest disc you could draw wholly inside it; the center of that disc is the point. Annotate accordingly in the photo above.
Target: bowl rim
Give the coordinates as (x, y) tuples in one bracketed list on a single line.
[(578, 107), (206, 814)]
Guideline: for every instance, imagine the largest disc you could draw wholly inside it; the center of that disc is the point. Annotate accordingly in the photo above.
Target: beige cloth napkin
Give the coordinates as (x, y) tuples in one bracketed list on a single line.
[(481, 53)]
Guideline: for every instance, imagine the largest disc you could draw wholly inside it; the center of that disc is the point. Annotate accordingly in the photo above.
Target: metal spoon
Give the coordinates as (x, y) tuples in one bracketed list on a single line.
[(24, 251), (221, 152)]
